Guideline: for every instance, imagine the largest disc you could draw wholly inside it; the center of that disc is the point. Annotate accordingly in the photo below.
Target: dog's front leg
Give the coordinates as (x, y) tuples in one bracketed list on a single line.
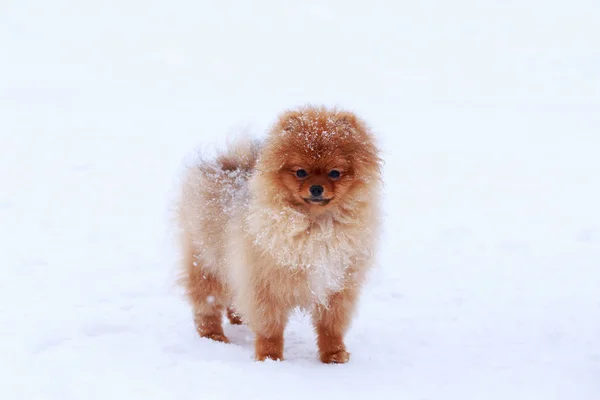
[(268, 322), (331, 323)]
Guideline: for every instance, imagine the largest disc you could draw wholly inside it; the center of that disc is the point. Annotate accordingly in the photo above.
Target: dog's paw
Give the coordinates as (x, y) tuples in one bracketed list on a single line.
[(218, 337), (264, 357), (269, 348), (235, 320), (338, 357), (234, 317)]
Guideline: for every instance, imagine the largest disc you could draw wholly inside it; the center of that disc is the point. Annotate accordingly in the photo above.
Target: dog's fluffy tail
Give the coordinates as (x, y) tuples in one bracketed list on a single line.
[(218, 177), (239, 155)]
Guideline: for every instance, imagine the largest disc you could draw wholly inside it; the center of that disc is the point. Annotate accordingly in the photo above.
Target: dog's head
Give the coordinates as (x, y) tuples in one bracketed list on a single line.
[(316, 159)]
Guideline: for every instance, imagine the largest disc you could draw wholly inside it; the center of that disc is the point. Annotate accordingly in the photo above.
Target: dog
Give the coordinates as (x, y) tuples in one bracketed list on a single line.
[(289, 222)]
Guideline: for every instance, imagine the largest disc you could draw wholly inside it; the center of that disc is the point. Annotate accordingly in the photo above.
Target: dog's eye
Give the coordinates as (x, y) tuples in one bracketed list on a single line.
[(334, 174), (301, 173)]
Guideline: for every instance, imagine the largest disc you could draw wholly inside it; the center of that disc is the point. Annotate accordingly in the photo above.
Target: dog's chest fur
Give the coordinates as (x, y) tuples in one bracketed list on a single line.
[(321, 250)]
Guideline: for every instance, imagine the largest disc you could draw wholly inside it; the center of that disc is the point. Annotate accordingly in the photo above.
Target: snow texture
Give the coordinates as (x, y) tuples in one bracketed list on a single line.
[(488, 278)]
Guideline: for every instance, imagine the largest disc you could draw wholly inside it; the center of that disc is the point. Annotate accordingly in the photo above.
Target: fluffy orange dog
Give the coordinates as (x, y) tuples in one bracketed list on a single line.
[(292, 222)]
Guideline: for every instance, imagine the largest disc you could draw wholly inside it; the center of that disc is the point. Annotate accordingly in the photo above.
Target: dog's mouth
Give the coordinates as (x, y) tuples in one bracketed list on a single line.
[(317, 200)]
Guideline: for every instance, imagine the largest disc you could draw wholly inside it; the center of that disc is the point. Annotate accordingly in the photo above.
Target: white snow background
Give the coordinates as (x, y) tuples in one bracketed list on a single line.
[(488, 281)]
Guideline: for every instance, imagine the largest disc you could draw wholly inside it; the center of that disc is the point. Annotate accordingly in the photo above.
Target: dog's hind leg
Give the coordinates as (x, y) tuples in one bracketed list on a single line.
[(206, 293), (207, 296)]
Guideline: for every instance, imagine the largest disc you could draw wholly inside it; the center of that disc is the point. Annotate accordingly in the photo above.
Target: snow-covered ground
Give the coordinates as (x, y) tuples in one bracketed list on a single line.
[(488, 283)]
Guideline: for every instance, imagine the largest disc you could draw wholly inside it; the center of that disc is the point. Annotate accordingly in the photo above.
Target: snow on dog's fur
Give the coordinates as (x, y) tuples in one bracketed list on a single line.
[(290, 222)]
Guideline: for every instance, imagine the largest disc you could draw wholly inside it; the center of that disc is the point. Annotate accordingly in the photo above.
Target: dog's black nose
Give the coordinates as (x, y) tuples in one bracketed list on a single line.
[(316, 190)]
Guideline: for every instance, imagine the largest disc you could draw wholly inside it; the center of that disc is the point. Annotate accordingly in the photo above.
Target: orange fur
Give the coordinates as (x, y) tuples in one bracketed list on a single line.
[(255, 243)]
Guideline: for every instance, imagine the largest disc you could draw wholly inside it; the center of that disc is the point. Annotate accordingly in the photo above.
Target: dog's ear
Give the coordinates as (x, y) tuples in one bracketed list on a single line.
[(347, 119), (363, 152), (288, 122), (351, 124)]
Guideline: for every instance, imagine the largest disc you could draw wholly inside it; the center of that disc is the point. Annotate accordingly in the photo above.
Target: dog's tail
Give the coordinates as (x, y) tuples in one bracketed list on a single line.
[(240, 155), (218, 177)]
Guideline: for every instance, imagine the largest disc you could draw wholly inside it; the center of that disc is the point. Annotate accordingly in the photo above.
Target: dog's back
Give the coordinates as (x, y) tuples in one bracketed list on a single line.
[(213, 190)]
